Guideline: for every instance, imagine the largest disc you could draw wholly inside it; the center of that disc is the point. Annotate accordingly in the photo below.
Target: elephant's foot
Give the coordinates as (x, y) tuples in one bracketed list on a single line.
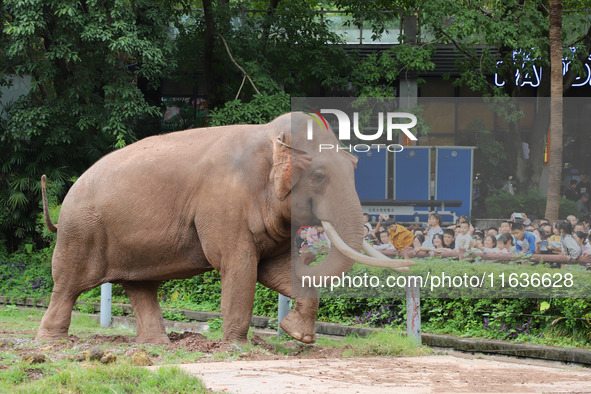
[(238, 338), (51, 335), (161, 339), (299, 327)]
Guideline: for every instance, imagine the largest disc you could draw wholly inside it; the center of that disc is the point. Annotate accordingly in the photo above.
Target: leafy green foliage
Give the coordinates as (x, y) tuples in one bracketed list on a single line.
[(26, 275), (86, 61), (261, 109), (286, 49), (174, 315), (378, 74), (215, 324), (502, 205)]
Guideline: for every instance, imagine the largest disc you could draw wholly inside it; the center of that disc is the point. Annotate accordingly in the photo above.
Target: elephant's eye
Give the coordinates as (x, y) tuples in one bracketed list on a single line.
[(318, 176)]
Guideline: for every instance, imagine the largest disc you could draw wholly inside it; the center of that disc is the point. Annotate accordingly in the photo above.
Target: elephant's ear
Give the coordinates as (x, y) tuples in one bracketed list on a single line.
[(288, 166), (351, 157)]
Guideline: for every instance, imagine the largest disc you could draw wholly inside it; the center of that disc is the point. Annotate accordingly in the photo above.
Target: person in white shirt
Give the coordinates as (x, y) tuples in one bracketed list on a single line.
[(435, 223), (463, 238), (385, 243)]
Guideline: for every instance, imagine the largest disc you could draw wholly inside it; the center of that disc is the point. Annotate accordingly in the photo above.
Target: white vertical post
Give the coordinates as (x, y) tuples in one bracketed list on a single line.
[(106, 291), (413, 311), (283, 308)]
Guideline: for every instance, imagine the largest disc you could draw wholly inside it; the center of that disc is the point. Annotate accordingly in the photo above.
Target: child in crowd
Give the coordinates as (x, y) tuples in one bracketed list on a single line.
[(555, 237), (368, 236), (489, 244), (418, 241), (464, 219), (505, 243), (504, 228), (463, 239), (476, 243), (438, 242), (448, 238), (385, 243), (538, 233), (542, 243), (572, 219), (526, 241), (316, 235), (587, 247), (567, 245), (580, 237), (580, 226), (400, 237), (301, 238), (366, 222), (435, 228)]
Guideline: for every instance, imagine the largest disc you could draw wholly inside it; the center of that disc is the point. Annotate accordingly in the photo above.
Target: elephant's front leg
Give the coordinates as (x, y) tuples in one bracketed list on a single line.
[(300, 323), (238, 276)]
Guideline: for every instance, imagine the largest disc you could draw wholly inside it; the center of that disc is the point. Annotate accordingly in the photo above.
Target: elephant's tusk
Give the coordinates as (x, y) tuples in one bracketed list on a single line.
[(373, 252), (342, 247)]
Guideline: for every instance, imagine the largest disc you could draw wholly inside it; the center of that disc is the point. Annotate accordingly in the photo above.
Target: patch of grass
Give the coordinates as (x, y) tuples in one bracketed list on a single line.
[(85, 324), (15, 319), (168, 356), (381, 343), (286, 345), (119, 378)]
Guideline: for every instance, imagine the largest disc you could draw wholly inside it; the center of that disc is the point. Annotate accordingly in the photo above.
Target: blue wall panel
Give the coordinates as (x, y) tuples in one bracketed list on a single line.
[(412, 178), (454, 177), (370, 176)]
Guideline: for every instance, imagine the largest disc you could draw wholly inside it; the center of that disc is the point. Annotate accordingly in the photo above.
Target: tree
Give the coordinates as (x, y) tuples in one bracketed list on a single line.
[(285, 47), (85, 60), (506, 38), (555, 110)]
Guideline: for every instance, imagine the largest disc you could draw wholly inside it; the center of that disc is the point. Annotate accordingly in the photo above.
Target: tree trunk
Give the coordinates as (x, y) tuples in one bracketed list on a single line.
[(208, 66), (555, 110)]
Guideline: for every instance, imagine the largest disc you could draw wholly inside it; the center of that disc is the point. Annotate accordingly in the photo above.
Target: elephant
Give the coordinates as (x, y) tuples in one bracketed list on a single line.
[(222, 198)]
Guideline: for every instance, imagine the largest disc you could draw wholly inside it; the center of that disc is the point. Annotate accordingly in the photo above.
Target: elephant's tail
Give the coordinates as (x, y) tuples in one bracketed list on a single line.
[(50, 226)]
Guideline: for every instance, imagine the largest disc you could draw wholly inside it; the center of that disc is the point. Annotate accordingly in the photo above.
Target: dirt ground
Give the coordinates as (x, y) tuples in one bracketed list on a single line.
[(312, 368), (426, 374)]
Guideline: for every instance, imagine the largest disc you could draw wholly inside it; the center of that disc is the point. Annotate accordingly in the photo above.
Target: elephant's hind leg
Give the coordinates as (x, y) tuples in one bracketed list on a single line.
[(149, 321), (56, 320), (300, 323)]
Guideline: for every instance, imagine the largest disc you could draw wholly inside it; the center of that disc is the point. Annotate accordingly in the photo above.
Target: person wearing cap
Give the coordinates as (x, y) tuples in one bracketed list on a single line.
[(584, 205)]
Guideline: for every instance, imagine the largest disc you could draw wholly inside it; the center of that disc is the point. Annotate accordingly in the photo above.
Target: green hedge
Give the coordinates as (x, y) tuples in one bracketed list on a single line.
[(557, 321), (502, 205)]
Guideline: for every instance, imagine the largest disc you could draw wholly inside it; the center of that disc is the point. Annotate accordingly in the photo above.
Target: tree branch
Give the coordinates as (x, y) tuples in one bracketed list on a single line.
[(236, 64)]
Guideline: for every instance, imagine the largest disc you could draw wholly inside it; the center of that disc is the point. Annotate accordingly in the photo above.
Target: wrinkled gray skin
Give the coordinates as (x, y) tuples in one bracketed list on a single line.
[(224, 198)]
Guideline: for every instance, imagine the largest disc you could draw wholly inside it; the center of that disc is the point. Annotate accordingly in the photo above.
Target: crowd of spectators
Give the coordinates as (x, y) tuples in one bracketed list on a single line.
[(517, 235)]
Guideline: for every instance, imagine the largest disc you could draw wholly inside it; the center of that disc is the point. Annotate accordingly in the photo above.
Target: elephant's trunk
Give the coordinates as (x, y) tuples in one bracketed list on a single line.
[(346, 236), (349, 226)]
